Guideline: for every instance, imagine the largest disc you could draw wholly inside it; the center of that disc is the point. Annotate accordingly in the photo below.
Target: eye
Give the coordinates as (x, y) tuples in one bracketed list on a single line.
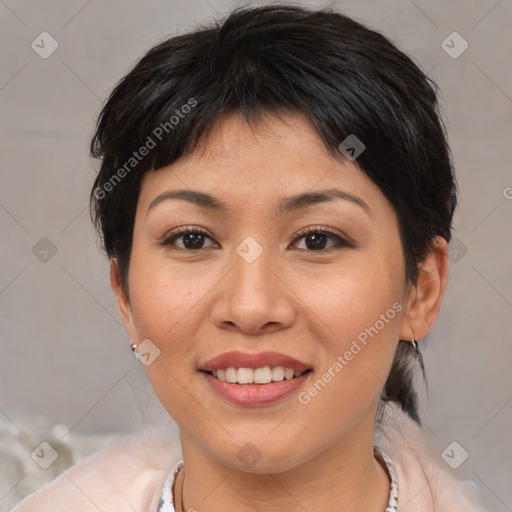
[(193, 239), (318, 237)]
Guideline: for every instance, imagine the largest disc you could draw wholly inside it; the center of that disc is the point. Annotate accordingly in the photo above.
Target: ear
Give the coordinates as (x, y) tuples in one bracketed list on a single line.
[(123, 301), (424, 300)]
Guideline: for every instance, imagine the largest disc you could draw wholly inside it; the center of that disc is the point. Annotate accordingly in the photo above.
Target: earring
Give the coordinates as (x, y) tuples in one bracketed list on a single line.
[(133, 346), (414, 342)]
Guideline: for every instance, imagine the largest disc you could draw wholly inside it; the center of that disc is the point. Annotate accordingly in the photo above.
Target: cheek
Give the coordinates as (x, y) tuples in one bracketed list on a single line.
[(165, 307), (362, 308), (351, 298), (162, 291), (363, 313)]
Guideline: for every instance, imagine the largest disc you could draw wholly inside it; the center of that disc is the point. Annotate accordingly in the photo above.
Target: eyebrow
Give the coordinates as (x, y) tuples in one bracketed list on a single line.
[(286, 205)]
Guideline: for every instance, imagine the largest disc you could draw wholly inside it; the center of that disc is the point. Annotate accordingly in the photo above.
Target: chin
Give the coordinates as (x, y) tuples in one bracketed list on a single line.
[(272, 458)]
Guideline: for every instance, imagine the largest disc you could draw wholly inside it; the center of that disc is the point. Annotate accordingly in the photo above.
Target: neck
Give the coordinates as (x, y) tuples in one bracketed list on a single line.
[(345, 477)]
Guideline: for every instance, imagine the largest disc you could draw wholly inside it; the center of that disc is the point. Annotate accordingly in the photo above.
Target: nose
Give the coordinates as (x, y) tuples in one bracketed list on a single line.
[(253, 298)]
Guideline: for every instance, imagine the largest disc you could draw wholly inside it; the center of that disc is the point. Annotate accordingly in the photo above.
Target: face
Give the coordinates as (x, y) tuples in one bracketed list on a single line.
[(263, 281)]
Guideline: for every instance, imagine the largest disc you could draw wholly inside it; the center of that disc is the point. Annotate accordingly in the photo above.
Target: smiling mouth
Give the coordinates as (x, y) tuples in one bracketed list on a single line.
[(264, 375)]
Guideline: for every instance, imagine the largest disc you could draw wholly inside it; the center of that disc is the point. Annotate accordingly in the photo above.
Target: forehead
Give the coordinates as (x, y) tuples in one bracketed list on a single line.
[(234, 136), (258, 164)]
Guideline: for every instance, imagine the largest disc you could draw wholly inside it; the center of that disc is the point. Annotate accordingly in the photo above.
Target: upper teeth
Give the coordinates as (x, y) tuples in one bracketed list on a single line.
[(255, 375)]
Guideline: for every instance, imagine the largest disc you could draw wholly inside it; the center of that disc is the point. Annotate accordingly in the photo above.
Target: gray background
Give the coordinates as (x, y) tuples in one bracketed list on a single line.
[(65, 362)]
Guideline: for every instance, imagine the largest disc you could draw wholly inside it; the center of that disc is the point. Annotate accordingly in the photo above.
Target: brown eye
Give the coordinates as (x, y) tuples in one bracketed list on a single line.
[(192, 239), (316, 239)]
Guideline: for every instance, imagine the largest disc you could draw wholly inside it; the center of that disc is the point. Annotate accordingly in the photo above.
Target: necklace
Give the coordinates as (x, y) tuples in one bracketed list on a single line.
[(174, 486)]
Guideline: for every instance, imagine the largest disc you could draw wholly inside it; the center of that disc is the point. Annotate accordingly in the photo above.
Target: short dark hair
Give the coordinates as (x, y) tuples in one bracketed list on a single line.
[(345, 78)]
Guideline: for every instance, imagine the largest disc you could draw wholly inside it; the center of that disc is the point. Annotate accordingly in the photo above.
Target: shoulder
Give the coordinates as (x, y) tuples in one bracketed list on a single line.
[(423, 483), (128, 474)]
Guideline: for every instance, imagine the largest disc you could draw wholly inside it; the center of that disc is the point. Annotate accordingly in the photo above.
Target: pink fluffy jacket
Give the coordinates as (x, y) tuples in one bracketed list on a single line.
[(129, 474)]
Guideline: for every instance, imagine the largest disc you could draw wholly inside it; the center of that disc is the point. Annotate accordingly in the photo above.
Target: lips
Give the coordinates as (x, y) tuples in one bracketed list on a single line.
[(239, 359), (261, 379), (255, 395)]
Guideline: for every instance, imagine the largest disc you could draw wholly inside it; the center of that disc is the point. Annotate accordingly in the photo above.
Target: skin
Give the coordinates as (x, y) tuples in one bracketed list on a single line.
[(306, 303)]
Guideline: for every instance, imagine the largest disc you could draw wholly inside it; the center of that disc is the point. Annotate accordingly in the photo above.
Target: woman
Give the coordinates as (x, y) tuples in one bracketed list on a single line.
[(276, 196)]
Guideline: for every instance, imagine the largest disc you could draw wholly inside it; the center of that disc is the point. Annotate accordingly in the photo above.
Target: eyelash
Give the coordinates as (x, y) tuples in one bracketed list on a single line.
[(180, 232)]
